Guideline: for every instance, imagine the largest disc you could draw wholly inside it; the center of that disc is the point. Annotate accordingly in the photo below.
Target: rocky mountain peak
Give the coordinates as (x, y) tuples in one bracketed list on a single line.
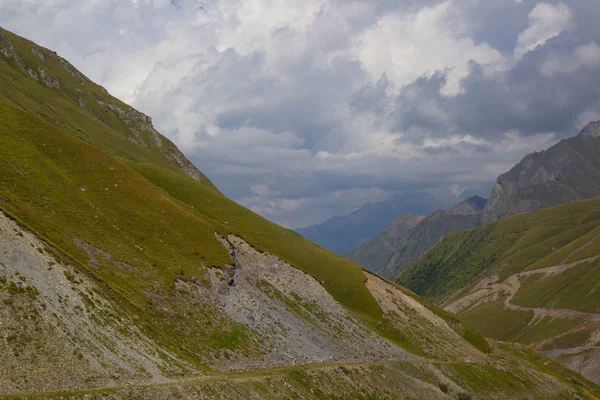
[(472, 205), (591, 130)]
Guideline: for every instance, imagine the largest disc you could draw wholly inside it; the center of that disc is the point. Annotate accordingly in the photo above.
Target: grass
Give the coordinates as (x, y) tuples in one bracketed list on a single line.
[(200, 202), (496, 322), (569, 340), (465, 330), (576, 288), (73, 175), (543, 364), (524, 241), (87, 180), (493, 321), (109, 200)]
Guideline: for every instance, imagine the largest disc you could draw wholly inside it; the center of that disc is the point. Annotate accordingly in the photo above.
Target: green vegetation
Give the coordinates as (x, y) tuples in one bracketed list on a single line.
[(534, 239), (108, 193), (569, 340), (118, 204), (547, 366), (102, 189), (458, 325), (576, 288), (504, 325), (496, 322)]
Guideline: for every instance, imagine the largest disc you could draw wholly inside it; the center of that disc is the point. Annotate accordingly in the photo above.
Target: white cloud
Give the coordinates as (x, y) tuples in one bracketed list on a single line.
[(546, 21), (406, 46), (584, 56)]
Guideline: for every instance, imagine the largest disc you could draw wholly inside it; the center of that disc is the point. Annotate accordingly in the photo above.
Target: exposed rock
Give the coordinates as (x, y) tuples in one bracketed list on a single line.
[(291, 311), (53, 316), (568, 171), (472, 205), (591, 130), (48, 80), (38, 53)]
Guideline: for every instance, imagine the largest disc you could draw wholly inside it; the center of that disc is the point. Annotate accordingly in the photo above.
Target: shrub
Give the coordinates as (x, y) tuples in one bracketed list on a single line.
[(443, 387)]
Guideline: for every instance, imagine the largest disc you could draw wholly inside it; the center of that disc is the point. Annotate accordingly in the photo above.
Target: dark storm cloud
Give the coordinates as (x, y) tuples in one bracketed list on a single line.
[(521, 99)]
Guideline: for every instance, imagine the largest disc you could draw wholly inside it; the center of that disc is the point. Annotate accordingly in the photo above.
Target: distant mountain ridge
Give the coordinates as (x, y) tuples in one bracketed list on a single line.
[(342, 233), (406, 237), (566, 172)]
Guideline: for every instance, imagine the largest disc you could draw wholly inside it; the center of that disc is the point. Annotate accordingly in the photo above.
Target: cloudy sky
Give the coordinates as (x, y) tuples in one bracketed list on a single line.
[(305, 109)]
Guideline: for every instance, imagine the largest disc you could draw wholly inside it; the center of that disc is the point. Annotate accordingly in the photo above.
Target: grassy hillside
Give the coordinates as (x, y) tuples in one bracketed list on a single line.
[(141, 169), (532, 278), (125, 209), (521, 242)]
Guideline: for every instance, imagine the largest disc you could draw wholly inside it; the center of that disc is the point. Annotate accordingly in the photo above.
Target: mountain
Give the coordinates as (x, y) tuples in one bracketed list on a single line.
[(374, 254), (533, 278), (342, 233), (408, 236), (567, 171), (124, 273)]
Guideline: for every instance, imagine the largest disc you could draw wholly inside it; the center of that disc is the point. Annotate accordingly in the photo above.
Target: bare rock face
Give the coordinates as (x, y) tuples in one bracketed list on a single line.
[(56, 331), (291, 311), (591, 130), (472, 205), (568, 171)]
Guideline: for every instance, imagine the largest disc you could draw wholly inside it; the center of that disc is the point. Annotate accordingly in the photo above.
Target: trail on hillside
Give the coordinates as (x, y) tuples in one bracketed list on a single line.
[(237, 377), (489, 289)]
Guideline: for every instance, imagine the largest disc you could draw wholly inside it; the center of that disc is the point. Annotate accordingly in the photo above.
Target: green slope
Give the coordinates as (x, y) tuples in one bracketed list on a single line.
[(532, 278), (139, 167), (525, 241)]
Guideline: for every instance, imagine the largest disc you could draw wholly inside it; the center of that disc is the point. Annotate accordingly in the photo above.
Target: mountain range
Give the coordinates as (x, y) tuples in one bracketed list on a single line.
[(567, 171), (342, 233), (408, 236), (124, 273)]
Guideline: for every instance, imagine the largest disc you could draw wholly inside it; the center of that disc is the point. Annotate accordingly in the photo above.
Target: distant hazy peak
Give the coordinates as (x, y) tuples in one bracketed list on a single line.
[(591, 130), (472, 205)]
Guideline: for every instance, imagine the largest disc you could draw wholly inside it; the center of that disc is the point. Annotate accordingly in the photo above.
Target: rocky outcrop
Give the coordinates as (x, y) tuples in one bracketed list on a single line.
[(568, 171), (591, 130), (295, 317), (472, 205)]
